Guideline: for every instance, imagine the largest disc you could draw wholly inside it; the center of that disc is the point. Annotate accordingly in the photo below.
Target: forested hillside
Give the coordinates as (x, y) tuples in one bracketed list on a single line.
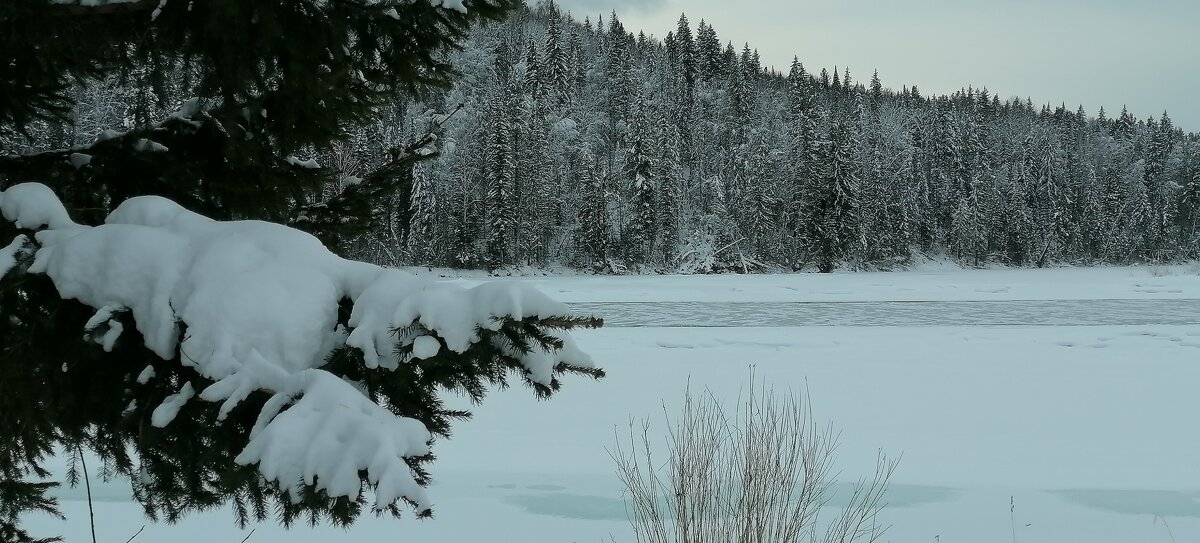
[(574, 142)]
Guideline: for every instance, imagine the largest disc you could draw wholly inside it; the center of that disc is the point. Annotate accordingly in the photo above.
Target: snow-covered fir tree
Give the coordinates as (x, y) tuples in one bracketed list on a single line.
[(209, 343), (423, 216), (595, 230), (501, 179)]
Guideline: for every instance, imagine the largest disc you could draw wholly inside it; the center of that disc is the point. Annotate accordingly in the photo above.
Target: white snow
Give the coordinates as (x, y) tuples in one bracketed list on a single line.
[(260, 303), (158, 9), (148, 146), (426, 347), (361, 436), (395, 301), (109, 339), (310, 163), (146, 375), (79, 160), (166, 412), (1088, 429), (33, 205), (109, 134), (456, 5), (112, 327)]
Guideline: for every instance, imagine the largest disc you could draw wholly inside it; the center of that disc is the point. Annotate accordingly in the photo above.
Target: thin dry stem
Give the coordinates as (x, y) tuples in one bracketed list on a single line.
[(760, 475)]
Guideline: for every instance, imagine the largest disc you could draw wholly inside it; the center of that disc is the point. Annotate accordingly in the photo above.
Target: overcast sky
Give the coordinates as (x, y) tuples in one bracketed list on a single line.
[(1144, 53)]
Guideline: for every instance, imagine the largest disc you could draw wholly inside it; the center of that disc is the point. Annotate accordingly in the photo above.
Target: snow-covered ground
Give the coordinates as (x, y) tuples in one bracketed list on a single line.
[(1085, 420)]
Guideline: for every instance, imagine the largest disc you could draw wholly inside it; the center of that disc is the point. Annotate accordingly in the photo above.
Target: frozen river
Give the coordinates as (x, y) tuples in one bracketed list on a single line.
[(1036, 405), (894, 313)]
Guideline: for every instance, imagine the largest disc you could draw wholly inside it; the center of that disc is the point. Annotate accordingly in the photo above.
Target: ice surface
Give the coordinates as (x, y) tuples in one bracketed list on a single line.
[(980, 414), (1060, 419)]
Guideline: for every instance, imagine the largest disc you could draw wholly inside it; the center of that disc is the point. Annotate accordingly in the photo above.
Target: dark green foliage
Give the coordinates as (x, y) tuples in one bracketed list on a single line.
[(272, 80), (501, 178), (593, 215)]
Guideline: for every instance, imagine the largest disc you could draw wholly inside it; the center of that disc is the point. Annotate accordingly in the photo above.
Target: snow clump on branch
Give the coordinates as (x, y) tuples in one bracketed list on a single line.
[(259, 302)]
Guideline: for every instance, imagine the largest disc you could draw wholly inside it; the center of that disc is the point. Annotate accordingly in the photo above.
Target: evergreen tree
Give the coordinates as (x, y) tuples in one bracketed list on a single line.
[(640, 168), (594, 226), (876, 92), (670, 176), (501, 186), (576, 63), (760, 204), (536, 194), (422, 216), (229, 102), (685, 55), (708, 52), (1124, 126), (534, 79), (832, 210), (556, 73), (1159, 190), (806, 162), (968, 235), (948, 170), (1189, 204)]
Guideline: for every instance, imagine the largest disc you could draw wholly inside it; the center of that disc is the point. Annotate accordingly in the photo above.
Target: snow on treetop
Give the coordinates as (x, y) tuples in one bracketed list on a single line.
[(260, 304)]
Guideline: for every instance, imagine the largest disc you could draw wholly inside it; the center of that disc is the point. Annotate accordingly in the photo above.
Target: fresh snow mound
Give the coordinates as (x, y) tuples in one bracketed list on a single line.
[(260, 304)]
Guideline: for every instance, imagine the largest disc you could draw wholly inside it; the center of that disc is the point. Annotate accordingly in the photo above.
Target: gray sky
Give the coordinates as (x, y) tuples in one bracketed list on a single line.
[(1143, 53)]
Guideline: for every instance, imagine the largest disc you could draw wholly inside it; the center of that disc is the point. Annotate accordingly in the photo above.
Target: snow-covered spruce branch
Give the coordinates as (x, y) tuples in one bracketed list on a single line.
[(260, 305)]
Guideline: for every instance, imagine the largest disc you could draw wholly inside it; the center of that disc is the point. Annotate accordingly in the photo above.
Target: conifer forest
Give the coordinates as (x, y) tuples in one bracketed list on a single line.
[(568, 141)]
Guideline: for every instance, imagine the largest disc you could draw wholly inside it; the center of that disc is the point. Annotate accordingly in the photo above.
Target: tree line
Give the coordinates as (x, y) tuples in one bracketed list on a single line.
[(576, 143)]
